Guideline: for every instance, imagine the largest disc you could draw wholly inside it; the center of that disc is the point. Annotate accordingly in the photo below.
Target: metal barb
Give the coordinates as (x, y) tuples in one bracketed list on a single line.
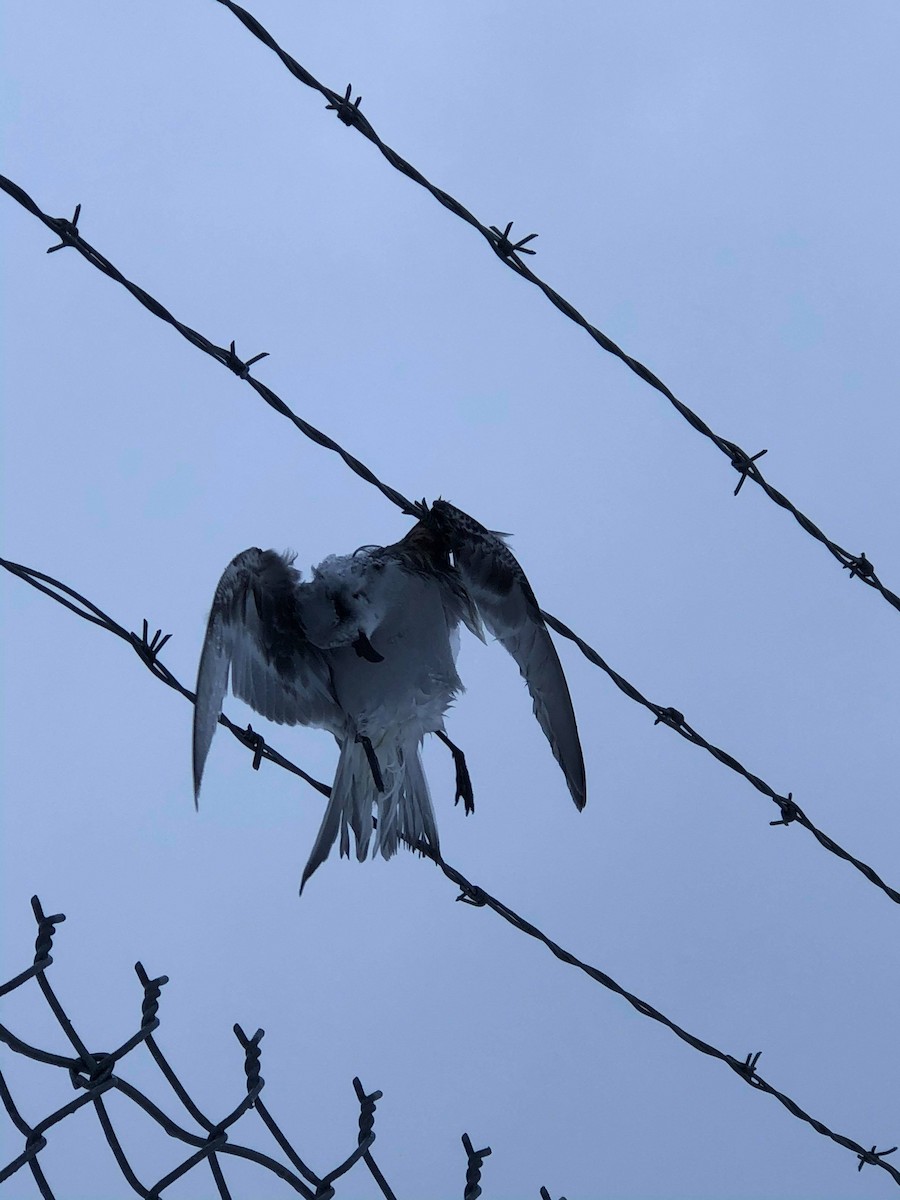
[(346, 111), (670, 716), (748, 1067), (367, 1102), (860, 566), (506, 248), (789, 810), (46, 931), (68, 231), (152, 989), (473, 1170), (253, 741), (873, 1156), (252, 1056), (744, 463), (148, 648), (236, 364), (473, 895)]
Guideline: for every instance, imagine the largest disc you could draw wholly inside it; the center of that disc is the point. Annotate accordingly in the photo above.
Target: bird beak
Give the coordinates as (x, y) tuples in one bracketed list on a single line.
[(366, 650)]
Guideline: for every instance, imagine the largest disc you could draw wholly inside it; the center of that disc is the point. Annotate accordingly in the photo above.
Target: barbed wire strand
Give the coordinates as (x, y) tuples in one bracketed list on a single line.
[(745, 1068), (664, 714), (147, 648), (790, 811), (94, 1075), (509, 251), (68, 233), (476, 896)]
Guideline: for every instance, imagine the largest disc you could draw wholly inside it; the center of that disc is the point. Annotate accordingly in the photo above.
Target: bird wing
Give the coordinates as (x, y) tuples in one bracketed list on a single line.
[(255, 633), (509, 609)]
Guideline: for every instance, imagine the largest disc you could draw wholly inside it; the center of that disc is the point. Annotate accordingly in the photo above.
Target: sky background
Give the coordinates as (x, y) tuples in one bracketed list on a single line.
[(715, 185)]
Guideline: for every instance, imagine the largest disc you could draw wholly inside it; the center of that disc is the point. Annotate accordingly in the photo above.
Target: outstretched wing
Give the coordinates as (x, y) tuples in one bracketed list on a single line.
[(508, 607), (255, 633)]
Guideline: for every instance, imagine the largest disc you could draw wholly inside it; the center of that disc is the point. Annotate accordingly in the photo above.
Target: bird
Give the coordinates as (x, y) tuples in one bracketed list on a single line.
[(366, 649)]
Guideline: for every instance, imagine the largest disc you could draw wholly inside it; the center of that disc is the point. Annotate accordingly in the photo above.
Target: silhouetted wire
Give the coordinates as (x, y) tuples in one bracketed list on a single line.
[(148, 648), (744, 1068), (94, 1075), (69, 235), (508, 251), (470, 894), (790, 812)]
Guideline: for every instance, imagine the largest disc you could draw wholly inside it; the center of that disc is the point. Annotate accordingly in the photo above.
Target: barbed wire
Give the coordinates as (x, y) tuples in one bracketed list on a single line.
[(509, 251), (94, 1074), (147, 647), (148, 650), (67, 231), (791, 812), (671, 717)]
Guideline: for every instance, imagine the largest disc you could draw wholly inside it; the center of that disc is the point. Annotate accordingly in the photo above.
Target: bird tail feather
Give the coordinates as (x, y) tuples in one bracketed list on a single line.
[(403, 807)]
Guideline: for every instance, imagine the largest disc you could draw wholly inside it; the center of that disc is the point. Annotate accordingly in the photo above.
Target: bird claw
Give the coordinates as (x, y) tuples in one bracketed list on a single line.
[(372, 758), (464, 790)]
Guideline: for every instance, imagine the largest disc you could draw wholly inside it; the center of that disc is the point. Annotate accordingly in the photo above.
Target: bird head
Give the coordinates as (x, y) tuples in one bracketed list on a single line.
[(345, 602)]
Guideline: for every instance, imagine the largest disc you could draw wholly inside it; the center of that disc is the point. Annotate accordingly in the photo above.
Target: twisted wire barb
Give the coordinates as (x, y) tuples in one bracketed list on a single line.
[(93, 1075), (470, 894), (69, 235), (510, 252), (474, 1162)]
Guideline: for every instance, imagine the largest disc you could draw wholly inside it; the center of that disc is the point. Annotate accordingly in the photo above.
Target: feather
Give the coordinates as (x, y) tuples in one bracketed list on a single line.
[(507, 606), (255, 631)]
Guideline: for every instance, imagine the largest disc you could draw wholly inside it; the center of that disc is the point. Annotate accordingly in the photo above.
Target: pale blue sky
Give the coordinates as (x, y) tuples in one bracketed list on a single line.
[(715, 185)]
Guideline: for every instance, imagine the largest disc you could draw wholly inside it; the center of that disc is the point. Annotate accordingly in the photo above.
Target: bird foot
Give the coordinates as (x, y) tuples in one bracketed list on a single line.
[(372, 759), (463, 779)]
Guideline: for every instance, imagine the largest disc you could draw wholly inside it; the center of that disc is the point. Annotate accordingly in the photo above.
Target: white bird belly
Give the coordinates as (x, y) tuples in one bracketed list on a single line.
[(411, 688)]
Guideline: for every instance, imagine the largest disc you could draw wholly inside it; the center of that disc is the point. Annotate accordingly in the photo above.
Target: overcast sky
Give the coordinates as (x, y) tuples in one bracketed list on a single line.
[(715, 185)]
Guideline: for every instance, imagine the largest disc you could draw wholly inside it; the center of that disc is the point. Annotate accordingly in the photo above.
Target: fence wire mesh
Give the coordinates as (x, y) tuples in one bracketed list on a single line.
[(94, 1075)]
